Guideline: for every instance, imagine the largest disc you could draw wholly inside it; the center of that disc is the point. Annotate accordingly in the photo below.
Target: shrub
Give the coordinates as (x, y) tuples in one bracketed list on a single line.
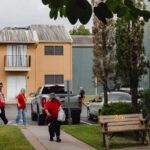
[(117, 108), (145, 102)]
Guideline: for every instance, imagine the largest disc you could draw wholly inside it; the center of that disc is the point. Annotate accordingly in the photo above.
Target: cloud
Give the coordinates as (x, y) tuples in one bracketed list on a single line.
[(27, 12)]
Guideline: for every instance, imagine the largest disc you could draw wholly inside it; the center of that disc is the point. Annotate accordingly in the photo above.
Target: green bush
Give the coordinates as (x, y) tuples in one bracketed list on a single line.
[(145, 102), (116, 109)]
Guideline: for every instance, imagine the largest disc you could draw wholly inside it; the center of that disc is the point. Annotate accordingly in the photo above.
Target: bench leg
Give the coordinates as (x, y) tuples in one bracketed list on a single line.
[(104, 141), (107, 141), (143, 137), (147, 137)]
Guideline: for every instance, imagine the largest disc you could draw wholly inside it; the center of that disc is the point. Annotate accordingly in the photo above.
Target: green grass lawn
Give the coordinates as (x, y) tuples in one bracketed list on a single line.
[(91, 135), (11, 138)]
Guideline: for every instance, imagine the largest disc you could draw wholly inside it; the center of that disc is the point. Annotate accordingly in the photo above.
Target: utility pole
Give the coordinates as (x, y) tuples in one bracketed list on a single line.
[(68, 97)]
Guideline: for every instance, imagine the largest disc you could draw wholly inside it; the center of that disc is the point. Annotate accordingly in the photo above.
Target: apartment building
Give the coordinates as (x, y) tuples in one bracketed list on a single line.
[(33, 56)]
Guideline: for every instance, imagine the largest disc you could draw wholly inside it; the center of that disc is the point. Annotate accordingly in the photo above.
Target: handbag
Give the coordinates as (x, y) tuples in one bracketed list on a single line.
[(61, 115)]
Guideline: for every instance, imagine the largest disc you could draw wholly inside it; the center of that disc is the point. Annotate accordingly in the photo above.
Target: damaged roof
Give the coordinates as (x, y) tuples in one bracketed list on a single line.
[(51, 33), (18, 36), (34, 34)]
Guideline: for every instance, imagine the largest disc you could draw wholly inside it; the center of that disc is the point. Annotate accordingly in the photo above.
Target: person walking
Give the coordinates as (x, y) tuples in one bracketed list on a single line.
[(82, 96), (21, 105), (82, 92), (2, 106), (51, 108)]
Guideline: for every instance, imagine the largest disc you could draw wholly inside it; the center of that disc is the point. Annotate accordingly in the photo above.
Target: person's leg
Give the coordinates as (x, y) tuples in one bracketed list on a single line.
[(18, 116), (51, 130), (24, 116), (57, 130), (3, 116)]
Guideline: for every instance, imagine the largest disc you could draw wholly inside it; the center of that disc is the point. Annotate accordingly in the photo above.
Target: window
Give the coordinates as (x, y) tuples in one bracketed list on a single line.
[(54, 79), (54, 89), (17, 56), (53, 50)]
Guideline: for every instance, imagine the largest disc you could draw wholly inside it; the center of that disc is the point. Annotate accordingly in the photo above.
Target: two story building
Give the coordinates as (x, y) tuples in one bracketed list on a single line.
[(33, 56)]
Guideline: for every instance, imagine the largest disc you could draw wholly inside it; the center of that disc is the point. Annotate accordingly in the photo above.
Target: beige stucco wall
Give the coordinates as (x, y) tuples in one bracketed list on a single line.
[(41, 65), (30, 75), (51, 64)]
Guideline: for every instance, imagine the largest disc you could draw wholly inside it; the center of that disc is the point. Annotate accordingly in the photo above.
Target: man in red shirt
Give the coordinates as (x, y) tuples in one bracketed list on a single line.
[(2, 105), (51, 108), (21, 105)]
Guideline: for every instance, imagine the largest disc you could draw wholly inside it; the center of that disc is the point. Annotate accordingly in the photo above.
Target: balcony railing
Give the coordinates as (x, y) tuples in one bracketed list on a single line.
[(17, 62)]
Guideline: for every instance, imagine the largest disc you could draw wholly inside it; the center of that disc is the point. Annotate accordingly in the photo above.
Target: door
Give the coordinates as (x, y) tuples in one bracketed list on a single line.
[(14, 85)]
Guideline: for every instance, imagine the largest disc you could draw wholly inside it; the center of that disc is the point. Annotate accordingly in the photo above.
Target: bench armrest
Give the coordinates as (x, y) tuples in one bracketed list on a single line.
[(144, 121), (104, 126)]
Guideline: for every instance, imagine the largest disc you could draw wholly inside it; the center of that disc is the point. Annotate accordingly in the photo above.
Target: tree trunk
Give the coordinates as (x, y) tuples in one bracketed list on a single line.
[(134, 93), (105, 87)]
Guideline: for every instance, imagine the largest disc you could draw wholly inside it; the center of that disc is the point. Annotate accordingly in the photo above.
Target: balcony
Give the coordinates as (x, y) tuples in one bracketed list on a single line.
[(17, 62)]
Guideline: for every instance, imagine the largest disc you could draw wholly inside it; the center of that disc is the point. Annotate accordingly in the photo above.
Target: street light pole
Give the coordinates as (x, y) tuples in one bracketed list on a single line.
[(68, 97)]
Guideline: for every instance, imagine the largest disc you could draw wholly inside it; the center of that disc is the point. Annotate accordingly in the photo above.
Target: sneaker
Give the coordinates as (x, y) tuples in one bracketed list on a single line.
[(58, 140), (15, 124), (8, 123)]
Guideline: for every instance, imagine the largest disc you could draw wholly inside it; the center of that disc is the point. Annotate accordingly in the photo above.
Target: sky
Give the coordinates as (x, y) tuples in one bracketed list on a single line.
[(27, 12)]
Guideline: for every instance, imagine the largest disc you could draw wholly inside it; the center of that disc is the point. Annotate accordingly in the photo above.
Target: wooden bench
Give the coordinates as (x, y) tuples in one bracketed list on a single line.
[(111, 124)]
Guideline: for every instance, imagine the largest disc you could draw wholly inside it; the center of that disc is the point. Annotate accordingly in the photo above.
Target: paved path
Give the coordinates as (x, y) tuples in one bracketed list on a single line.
[(38, 136)]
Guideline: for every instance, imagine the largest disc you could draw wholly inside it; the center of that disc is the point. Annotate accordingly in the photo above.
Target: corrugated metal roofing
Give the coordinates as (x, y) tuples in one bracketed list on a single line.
[(34, 34), (51, 33), (82, 40), (10, 35)]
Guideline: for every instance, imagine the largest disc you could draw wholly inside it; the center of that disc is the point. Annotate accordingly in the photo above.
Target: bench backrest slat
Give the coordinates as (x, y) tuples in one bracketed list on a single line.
[(126, 128), (124, 123), (119, 118), (121, 122)]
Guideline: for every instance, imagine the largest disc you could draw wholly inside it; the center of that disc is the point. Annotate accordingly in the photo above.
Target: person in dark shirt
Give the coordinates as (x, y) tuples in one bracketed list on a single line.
[(82, 92), (52, 107), (81, 96)]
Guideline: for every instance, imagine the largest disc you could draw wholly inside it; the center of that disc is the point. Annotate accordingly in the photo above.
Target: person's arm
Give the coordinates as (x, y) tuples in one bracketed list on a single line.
[(25, 99), (2, 98), (47, 113), (17, 98), (46, 110), (59, 105), (83, 103)]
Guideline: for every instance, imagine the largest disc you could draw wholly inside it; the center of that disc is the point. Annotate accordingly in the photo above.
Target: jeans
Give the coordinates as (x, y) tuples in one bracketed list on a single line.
[(2, 115), (21, 111)]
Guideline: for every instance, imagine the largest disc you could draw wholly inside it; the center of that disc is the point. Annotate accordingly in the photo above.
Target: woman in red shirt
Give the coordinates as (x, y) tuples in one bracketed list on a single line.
[(21, 105), (2, 106), (51, 108)]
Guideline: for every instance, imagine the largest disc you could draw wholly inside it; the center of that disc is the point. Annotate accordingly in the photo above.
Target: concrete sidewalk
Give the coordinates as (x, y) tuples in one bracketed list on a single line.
[(38, 136), (136, 148)]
